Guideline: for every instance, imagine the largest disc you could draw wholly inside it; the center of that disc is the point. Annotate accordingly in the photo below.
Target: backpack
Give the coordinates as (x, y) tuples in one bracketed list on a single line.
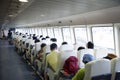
[(71, 65)]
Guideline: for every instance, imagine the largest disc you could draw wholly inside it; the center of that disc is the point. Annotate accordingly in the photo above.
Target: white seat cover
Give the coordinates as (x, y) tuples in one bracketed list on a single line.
[(115, 67), (81, 53), (63, 56), (100, 53), (66, 47), (97, 68)]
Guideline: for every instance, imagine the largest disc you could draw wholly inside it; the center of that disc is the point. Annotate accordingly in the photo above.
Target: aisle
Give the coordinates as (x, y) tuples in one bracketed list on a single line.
[(12, 66)]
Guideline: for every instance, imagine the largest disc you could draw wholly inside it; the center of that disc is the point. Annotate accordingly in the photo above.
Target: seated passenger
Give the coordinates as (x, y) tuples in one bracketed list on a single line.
[(81, 72), (110, 56), (34, 37), (90, 45), (40, 53), (39, 57), (51, 59)]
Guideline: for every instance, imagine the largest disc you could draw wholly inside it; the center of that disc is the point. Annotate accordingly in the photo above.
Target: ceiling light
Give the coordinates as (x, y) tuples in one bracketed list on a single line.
[(10, 15), (42, 15), (23, 0)]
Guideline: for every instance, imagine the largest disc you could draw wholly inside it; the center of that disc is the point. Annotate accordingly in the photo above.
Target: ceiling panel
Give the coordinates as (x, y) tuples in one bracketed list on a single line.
[(53, 9), (4, 4)]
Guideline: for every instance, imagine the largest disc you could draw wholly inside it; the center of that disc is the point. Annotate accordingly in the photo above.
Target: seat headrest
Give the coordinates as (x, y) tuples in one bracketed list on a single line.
[(66, 47), (97, 68), (47, 49), (100, 67)]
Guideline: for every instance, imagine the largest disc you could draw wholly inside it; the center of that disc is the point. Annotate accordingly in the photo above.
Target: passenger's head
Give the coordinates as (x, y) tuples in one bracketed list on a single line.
[(64, 43), (87, 58), (47, 37), (53, 39), (43, 39), (53, 46), (33, 35), (80, 48), (90, 45), (34, 38), (110, 56), (37, 40), (43, 45), (41, 36), (24, 36)]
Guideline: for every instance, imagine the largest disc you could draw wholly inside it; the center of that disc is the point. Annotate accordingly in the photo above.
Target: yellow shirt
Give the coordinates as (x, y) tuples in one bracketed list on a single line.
[(52, 59), (79, 75)]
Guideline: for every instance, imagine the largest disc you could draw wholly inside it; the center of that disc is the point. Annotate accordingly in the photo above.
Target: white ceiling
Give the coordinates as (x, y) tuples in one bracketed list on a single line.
[(44, 10)]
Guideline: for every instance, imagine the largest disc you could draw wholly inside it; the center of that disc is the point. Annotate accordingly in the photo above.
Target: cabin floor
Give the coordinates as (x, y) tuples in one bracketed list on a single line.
[(13, 66)]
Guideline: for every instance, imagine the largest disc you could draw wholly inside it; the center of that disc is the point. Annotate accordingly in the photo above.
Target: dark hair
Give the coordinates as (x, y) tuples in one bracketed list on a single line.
[(53, 46), (20, 33), (43, 45), (90, 45), (41, 36), (34, 38), (43, 39), (63, 43), (37, 40), (80, 48), (53, 39), (34, 34), (24, 36), (47, 37)]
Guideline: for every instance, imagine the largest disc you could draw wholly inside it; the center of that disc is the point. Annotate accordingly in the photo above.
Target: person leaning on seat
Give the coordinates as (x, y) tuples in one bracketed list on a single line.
[(81, 72)]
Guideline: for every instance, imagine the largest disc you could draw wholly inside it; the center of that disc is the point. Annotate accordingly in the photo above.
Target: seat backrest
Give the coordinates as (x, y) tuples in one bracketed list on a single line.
[(30, 42), (46, 51), (66, 47), (37, 48), (62, 56), (115, 68), (98, 70), (23, 42), (27, 43), (81, 53), (100, 53)]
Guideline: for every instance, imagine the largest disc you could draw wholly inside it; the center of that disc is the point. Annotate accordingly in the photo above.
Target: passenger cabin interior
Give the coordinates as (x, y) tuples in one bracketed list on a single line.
[(53, 22)]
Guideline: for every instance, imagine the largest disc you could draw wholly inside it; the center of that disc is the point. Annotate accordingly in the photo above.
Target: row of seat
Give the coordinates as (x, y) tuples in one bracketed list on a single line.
[(103, 69), (27, 45)]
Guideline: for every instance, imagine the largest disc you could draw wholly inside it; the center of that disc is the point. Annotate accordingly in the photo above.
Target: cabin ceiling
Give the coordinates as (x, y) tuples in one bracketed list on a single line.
[(44, 10), (4, 4), (9, 9)]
